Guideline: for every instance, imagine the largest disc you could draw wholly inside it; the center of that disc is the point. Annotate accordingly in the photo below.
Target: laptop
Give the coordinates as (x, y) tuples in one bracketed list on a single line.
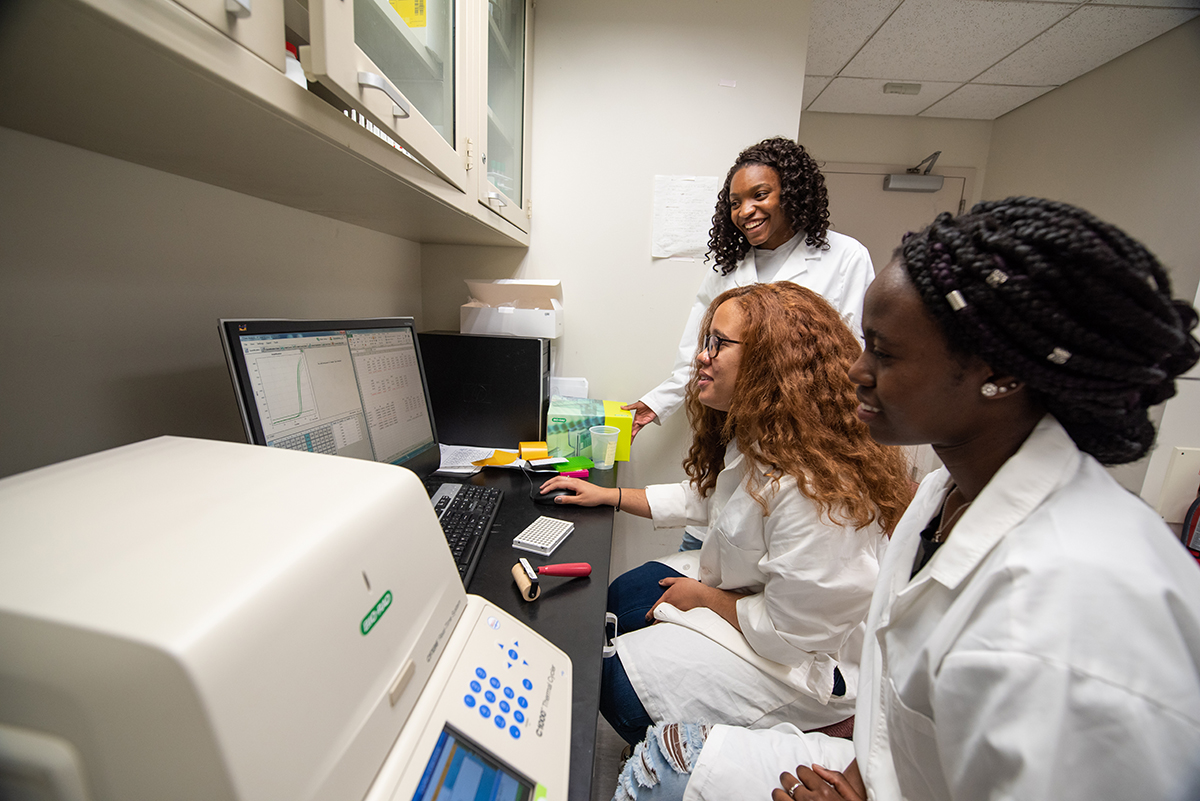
[(353, 388)]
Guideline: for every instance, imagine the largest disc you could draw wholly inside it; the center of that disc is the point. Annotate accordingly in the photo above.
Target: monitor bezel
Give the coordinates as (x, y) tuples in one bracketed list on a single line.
[(423, 463)]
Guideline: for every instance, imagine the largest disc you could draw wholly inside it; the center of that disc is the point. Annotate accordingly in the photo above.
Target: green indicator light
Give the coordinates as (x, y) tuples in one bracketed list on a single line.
[(373, 616)]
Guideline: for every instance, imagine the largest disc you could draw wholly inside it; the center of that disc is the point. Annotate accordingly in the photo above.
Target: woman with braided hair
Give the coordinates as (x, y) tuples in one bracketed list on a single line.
[(771, 224), (1035, 631)]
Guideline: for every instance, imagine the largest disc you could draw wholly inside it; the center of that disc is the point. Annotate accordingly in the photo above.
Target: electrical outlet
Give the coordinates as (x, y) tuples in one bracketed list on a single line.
[(1180, 485)]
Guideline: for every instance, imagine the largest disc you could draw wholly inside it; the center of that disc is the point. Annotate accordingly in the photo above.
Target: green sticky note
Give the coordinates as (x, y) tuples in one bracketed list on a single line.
[(574, 463)]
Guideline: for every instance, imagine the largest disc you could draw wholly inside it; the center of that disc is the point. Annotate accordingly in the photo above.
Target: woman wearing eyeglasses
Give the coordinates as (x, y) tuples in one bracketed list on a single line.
[(796, 496)]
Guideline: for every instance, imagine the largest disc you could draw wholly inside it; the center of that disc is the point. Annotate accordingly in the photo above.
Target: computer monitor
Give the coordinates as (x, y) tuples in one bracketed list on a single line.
[(343, 387)]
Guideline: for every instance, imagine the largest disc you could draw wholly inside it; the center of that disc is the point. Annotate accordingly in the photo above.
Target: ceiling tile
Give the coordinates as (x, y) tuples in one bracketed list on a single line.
[(981, 102), (1091, 36), (813, 86), (936, 40), (839, 28), (865, 96)]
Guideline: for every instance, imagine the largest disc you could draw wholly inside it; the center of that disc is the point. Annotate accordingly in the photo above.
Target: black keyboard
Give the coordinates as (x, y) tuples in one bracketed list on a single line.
[(466, 513)]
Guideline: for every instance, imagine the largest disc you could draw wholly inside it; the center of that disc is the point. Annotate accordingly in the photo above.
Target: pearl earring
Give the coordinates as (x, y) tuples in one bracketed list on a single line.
[(990, 390)]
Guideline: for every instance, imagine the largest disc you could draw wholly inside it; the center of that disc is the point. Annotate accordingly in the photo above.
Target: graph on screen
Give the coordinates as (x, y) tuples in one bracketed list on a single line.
[(287, 397)]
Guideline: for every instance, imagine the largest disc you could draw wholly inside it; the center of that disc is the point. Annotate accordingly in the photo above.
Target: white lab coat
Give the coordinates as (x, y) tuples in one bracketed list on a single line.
[(1050, 649), (840, 274), (809, 585)]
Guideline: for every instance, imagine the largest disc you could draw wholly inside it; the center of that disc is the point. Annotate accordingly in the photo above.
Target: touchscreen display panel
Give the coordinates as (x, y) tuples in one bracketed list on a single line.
[(459, 770)]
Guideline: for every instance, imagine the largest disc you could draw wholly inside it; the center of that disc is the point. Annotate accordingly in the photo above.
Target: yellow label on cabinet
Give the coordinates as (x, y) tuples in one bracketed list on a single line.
[(411, 11)]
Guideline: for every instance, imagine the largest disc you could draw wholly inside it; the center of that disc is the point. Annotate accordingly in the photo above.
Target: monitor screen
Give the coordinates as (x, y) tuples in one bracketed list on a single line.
[(461, 770), (341, 387)]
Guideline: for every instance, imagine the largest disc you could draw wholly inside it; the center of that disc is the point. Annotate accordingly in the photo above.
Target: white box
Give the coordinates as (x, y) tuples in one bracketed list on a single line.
[(528, 308)]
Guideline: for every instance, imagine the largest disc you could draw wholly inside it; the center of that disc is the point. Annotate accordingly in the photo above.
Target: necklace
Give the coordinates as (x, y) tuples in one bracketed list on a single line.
[(948, 523)]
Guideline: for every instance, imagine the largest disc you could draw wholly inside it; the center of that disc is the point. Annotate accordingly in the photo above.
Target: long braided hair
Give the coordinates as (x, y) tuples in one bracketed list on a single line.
[(1072, 306), (803, 197)]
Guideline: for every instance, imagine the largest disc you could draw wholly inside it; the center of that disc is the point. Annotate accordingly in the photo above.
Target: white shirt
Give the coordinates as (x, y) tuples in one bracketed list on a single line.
[(1050, 649), (808, 584), (840, 274)]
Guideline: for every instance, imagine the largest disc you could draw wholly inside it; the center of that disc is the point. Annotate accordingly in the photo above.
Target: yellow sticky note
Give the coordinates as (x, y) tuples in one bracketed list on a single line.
[(411, 11), (497, 459)]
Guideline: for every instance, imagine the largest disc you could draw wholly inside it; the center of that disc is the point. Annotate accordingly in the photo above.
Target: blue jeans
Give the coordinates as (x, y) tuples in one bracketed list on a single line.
[(630, 597), (662, 765)]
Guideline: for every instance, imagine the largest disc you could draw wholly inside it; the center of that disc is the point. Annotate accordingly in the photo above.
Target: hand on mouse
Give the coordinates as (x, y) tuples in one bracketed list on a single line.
[(586, 494)]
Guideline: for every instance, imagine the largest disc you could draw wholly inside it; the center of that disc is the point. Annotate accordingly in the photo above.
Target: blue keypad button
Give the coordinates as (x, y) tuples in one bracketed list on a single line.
[(515, 732), (504, 707), (475, 686), (491, 696), (470, 701), (519, 716), (481, 673), (500, 721), (521, 702), (512, 654), (527, 684), (495, 682), (485, 710), (508, 692)]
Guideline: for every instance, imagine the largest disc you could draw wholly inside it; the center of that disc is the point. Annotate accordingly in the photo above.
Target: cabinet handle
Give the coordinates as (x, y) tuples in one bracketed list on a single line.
[(495, 196), (238, 8), (400, 109)]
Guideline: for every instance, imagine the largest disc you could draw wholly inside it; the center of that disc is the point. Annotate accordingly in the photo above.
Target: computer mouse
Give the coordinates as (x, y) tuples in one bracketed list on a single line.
[(551, 495)]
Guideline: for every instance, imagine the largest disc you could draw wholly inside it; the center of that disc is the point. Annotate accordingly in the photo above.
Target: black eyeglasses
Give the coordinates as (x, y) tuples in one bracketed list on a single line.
[(714, 342)]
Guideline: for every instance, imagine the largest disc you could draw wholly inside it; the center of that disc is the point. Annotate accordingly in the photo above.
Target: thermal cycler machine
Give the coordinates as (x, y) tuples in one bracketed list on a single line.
[(187, 619)]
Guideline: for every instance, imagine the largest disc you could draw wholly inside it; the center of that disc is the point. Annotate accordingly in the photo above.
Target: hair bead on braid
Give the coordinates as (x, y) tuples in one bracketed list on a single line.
[(1070, 305)]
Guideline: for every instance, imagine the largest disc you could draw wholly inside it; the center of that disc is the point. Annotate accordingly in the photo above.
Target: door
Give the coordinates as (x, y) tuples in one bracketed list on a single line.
[(860, 207)]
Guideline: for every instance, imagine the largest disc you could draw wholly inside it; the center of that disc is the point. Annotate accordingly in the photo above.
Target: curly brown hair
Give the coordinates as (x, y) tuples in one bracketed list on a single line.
[(793, 410), (803, 197)]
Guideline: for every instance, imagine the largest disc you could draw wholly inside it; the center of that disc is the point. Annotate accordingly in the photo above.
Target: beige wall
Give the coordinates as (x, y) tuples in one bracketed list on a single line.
[(113, 276), (1122, 141), (623, 91)]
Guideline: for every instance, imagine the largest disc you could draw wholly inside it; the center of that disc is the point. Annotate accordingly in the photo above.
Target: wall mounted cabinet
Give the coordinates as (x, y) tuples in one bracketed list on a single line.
[(197, 90)]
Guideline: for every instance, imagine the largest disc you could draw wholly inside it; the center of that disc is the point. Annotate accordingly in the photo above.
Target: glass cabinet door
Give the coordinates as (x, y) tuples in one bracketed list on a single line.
[(397, 61), (505, 154)]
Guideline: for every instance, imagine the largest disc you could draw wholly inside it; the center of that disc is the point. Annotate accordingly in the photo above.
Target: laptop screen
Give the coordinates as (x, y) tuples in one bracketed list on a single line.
[(341, 387)]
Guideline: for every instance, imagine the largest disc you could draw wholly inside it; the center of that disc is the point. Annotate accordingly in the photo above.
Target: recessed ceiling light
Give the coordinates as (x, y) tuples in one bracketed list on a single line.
[(901, 88)]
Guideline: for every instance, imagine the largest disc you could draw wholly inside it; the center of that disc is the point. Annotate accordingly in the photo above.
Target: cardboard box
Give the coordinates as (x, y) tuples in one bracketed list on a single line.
[(569, 419), (521, 308)]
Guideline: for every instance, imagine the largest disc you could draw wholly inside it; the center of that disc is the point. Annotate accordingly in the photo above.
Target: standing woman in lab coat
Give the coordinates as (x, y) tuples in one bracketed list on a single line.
[(771, 224), (796, 496), (1035, 632)]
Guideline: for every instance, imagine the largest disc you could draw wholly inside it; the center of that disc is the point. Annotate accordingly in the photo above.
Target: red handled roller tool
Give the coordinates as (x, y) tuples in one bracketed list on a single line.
[(527, 577)]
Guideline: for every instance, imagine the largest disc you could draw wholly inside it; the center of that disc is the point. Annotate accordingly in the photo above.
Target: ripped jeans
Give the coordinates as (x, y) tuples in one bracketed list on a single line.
[(662, 764)]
